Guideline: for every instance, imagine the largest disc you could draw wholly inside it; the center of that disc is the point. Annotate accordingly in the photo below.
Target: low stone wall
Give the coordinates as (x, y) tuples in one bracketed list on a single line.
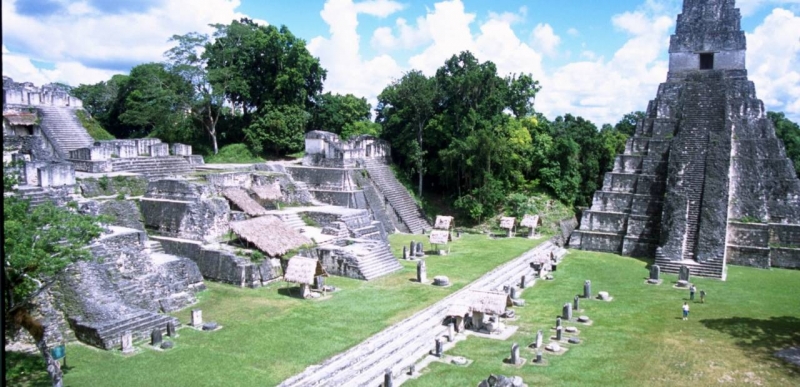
[(223, 266), (203, 220), (112, 186), (749, 256), (91, 166), (786, 258), (123, 213)]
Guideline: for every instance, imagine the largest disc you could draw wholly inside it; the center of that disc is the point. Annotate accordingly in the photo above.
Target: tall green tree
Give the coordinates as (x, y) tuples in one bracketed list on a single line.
[(789, 133), (38, 243), (206, 102), (339, 114), (154, 98), (404, 108)]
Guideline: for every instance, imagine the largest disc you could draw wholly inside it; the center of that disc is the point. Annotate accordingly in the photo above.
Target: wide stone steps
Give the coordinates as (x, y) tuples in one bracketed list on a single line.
[(61, 126), (153, 167), (397, 195), (404, 343), (378, 262), (293, 220), (140, 326)]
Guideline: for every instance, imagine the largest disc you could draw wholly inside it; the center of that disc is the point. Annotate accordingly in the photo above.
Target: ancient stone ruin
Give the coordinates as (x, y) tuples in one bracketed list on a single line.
[(704, 181)]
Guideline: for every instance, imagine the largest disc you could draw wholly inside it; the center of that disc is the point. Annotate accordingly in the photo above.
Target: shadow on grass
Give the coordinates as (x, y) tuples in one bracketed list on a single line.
[(27, 369), (768, 335), (291, 291)]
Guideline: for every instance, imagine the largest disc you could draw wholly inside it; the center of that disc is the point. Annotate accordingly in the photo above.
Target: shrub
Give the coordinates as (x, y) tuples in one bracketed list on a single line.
[(234, 154)]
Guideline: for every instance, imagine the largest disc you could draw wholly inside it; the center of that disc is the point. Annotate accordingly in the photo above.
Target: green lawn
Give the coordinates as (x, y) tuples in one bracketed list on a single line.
[(639, 339), (268, 336)]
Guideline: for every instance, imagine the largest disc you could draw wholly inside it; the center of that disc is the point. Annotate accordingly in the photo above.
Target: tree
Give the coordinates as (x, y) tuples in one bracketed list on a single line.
[(339, 113), (208, 88), (789, 133), (407, 105), (280, 130), (627, 125), (38, 243), (154, 98), (264, 65)]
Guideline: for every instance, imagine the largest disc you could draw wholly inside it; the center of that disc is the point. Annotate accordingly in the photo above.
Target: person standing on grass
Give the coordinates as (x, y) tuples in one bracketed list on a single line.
[(685, 310), (692, 289), (702, 296)]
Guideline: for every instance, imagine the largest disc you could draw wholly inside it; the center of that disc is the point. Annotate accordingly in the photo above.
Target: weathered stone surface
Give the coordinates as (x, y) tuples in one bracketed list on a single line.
[(167, 345), (671, 193), (441, 280), (210, 326)]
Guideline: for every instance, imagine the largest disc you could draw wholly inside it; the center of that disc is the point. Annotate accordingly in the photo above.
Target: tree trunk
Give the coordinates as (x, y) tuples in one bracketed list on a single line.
[(214, 139), (35, 328)]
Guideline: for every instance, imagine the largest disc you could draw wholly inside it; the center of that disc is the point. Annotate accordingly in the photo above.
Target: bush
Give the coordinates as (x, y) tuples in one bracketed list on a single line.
[(234, 154), (93, 127)]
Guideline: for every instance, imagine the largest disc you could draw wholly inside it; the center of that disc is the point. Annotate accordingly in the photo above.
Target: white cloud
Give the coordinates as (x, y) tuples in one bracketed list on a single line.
[(604, 90), (573, 32), (85, 44), (339, 53), (749, 7), (544, 39), (773, 57), (379, 8), (409, 37)]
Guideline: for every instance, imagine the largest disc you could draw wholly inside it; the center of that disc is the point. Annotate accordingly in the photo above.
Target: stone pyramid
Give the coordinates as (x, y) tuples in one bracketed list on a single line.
[(704, 180)]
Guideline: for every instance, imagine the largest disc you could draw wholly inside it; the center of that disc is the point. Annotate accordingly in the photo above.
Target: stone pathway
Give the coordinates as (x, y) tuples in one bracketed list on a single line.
[(408, 341)]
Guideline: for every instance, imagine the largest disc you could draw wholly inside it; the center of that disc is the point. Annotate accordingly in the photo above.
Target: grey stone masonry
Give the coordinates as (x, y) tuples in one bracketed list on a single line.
[(397, 197), (181, 149), (62, 130), (704, 181)]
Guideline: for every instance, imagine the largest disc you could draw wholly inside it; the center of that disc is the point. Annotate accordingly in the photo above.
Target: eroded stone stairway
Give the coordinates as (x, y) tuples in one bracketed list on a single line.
[(62, 128), (398, 197)]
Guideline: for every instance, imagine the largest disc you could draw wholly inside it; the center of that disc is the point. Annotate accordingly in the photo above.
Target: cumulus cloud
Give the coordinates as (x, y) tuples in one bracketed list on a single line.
[(544, 39), (408, 36), (773, 57), (340, 53), (749, 7), (87, 40), (604, 90)]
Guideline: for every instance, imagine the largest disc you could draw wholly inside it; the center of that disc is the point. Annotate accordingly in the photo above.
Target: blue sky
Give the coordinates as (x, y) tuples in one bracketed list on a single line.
[(596, 58)]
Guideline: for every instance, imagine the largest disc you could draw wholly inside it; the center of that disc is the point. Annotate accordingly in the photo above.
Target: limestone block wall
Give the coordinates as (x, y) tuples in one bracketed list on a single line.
[(223, 266), (56, 174), (202, 220)]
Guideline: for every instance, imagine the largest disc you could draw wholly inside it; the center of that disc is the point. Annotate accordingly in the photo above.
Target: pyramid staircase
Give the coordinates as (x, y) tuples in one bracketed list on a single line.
[(63, 129), (398, 197), (153, 167), (374, 259)]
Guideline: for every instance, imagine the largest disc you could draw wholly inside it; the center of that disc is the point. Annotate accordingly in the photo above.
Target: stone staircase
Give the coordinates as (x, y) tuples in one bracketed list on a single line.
[(711, 268), (140, 325), (375, 259), (36, 195), (154, 247), (397, 196), (61, 127), (292, 220), (153, 167), (404, 343)]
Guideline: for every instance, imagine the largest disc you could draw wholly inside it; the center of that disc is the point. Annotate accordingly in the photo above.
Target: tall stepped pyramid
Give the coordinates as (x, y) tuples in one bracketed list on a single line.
[(704, 181), (63, 130), (397, 196)]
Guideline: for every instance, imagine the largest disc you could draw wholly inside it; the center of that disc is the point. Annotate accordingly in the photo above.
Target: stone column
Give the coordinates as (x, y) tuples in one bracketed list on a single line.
[(155, 337), (587, 289), (566, 312), (422, 272), (559, 332), (387, 378), (319, 281), (576, 303), (513, 293), (451, 331), (412, 248), (171, 329), (683, 275), (437, 351), (539, 337), (420, 250), (655, 272), (127, 342), (515, 353), (405, 253), (558, 322), (538, 357), (522, 284), (197, 318)]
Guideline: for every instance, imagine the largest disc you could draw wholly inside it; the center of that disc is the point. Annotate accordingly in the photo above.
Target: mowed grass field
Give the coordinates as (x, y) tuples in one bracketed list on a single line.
[(639, 338), (268, 335)]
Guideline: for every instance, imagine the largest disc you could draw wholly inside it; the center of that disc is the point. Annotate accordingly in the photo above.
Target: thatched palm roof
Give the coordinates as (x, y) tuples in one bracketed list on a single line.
[(20, 118), (443, 222), (458, 310), (269, 191), (530, 221), (302, 270), (440, 237), (241, 199), (269, 234), (489, 302), (507, 222)]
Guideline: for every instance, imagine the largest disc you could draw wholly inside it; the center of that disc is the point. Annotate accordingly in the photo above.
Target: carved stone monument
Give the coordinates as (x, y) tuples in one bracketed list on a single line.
[(587, 289), (127, 342), (155, 337), (422, 272), (197, 318), (566, 312)]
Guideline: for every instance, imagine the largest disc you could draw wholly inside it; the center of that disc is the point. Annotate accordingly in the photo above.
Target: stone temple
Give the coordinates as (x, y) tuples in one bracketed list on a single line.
[(704, 181)]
